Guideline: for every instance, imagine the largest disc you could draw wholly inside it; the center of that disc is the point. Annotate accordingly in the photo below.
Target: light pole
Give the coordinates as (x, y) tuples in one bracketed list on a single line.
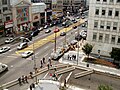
[(55, 31), (78, 47)]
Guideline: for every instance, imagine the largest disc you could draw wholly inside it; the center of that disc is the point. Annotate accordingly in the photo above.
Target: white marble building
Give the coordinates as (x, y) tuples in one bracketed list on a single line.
[(104, 25)]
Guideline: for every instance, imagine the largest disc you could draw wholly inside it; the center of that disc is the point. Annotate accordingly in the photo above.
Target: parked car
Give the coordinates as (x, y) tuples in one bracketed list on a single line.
[(40, 29), (22, 45), (46, 26), (62, 33), (27, 54), (9, 40), (48, 31), (3, 67), (66, 26), (4, 49), (35, 33)]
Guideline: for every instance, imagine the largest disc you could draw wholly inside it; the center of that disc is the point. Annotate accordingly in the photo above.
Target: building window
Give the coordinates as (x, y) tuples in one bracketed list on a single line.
[(4, 9), (97, 0), (110, 13), (100, 37), (0, 11), (97, 12), (94, 36), (104, 0), (102, 24), (108, 25), (118, 1), (4, 2), (111, 0), (95, 24), (113, 39), (7, 18), (106, 38), (103, 12), (116, 13), (115, 26), (118, 40)]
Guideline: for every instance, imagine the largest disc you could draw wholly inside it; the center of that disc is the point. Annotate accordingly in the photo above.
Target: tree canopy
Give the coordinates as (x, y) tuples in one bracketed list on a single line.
[(87, 49), (104, 87)]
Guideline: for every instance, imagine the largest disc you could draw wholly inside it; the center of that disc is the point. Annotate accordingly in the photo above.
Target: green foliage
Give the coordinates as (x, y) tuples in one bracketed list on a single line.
[(87, 49), (115, 54), (104, 87)]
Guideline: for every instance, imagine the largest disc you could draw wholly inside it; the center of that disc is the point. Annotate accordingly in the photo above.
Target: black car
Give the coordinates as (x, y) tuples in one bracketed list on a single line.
[(35, 33), (74, 27), (78, 37)]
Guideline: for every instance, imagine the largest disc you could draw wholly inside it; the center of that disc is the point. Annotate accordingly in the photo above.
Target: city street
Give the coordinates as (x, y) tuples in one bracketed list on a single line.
[(19, 66)]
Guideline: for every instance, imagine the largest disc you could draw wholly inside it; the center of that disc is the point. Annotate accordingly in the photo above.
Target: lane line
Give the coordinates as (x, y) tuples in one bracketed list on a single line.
[(45, 75), (68, 76), (59, 77)]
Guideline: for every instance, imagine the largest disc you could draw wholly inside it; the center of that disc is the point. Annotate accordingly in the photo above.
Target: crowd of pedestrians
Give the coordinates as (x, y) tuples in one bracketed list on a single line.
[(71, 57)]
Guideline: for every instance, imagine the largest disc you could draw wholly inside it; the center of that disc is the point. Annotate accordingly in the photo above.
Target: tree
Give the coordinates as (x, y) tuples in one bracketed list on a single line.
[(115, 54), (104, 87), (87, 49)]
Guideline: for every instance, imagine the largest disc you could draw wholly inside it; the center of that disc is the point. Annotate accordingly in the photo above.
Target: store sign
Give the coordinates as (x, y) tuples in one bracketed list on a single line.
[(9, 24), (22, 14)]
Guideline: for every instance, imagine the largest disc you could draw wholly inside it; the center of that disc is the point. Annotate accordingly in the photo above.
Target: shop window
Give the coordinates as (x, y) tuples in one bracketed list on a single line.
[(108, 27), (0, 11), (111, 1)]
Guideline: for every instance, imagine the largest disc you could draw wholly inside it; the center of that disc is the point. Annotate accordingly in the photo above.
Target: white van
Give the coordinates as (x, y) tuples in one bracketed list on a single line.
[(3, 67)]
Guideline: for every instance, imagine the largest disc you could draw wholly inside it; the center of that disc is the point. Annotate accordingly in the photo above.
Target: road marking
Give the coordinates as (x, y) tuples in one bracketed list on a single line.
[(68, 76), (45, 75), (47, 39), (59, 77)]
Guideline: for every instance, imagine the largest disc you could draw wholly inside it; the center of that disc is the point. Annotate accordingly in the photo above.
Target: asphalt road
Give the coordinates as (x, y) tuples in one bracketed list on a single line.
[(19, 66)]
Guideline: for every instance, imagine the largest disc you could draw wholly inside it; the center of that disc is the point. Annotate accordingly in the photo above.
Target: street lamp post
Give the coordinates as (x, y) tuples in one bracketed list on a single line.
[(78, 48), (55, 31)]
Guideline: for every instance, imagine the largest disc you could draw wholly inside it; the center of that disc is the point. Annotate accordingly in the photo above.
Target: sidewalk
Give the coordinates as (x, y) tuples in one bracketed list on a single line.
[(96, 67)]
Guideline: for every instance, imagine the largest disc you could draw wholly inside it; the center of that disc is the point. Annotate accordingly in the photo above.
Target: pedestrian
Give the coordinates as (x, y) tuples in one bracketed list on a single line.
[(33, 85), (19, 80), (68, 57), (75, 57), (49, 60), (31, 75), (41, 64), (26, 79), (43, 60), (48, 66), (30, 87), (23, 78)]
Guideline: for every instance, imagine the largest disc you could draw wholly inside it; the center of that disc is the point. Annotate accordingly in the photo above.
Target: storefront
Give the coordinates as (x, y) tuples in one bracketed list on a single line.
[(36, 19), (21, 17), (8, 27)]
